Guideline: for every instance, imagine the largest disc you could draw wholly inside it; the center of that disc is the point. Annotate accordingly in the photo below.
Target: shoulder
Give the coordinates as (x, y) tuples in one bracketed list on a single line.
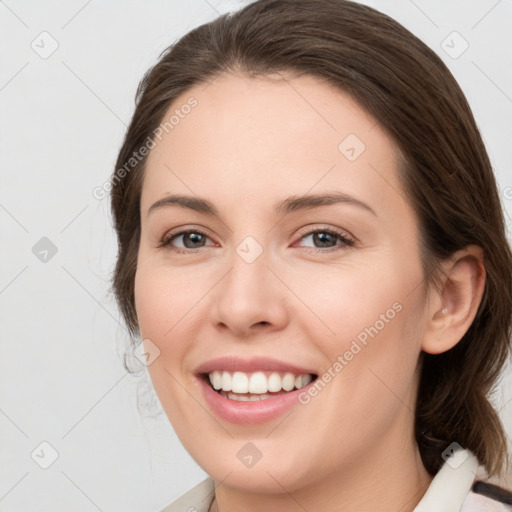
[(487, 497), (198, 499)]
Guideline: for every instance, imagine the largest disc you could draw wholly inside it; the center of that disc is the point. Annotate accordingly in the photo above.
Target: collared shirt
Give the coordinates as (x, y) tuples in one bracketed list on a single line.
[(449, 491)]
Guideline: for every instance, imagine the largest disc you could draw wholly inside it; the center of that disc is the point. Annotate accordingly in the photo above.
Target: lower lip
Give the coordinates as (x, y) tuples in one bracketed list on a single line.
[(246, 413)]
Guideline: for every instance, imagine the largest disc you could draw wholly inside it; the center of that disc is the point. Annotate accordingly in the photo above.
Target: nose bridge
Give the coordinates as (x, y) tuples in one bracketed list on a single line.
[(248, 279), (249, 294)]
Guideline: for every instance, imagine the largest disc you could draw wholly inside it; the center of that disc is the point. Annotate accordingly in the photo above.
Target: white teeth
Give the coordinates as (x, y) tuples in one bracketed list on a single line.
[(274, 382), (288, 382), (216, 380), (306, 379), (245, 398), (258, 383), (226, 381), (240, 383)]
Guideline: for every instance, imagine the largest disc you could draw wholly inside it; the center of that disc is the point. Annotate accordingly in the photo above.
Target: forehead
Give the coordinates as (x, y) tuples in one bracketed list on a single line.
[(264, 135)]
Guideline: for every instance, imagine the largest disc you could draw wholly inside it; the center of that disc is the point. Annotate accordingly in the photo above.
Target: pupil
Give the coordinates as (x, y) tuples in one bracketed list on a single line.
[(196, 239), (324, 239)]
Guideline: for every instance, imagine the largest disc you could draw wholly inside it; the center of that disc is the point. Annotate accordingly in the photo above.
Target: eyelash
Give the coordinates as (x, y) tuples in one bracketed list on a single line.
[(165, 243), (346, 240)]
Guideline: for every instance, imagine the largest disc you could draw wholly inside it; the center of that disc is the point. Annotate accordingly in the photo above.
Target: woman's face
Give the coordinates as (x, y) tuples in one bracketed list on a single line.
[(291, 250)]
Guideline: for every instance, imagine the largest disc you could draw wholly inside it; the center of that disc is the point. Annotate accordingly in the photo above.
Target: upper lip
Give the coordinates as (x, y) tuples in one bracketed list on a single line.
[(232, 364)]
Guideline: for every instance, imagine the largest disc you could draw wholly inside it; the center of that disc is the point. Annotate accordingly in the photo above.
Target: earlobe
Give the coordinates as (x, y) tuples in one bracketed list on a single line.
[(454, 304)]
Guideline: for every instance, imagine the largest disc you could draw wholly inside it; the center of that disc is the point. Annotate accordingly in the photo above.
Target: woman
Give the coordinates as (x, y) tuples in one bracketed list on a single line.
[(312, 249)]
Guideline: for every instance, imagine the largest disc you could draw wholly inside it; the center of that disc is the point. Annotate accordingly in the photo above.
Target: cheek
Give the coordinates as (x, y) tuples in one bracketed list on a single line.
[(169, 304), (165, 299), (150, 303), (345, 302), (372, 318), (163, 302)]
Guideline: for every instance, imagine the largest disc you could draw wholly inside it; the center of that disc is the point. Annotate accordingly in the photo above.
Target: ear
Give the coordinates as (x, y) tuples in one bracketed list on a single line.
[(453, 305)]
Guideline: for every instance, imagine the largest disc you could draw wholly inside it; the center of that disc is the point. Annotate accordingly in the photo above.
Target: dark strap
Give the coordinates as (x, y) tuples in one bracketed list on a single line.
[(492, 491)]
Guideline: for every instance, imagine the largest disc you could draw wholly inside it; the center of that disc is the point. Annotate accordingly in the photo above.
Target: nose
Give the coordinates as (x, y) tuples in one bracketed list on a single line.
[(250, 298)]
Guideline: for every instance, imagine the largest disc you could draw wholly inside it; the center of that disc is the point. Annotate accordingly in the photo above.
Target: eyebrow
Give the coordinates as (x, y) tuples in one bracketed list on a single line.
[(289, 205)]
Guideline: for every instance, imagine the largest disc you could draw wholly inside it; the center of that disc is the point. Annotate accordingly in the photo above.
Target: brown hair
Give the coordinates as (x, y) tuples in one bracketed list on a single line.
[(446, 173)]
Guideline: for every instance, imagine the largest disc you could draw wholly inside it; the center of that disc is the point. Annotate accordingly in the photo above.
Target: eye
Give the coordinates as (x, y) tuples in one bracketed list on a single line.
[(324, 239), (327, 238), (188, 239)]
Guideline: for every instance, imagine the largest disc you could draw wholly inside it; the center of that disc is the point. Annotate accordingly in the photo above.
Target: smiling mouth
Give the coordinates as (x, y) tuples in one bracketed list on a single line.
[(255, 386)]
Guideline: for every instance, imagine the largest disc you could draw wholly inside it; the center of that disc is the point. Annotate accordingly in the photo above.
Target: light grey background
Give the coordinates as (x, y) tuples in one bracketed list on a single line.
[(62, 121)]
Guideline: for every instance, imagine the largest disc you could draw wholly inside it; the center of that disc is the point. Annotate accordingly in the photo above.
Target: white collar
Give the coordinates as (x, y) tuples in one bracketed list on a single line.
[(451, 484)]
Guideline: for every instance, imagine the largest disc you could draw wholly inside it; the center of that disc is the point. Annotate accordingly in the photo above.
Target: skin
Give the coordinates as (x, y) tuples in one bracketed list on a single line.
[(248, 144)]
